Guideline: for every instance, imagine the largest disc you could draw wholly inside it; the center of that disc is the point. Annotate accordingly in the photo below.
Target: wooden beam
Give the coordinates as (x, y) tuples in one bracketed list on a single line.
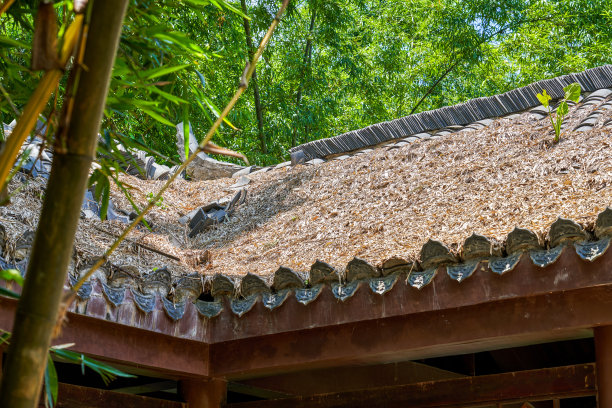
[(603, 356), (533, 385), (350, 378), (146, 388), (145, 352), (502, 324), (254, 391), (211, 393), (76, 396)]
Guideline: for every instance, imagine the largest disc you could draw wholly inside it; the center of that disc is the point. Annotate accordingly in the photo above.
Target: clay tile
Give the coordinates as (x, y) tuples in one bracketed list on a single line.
[(221, 285), (123, 276), (358, 268), (398, 264), (253, 284), (565, 230), (158, 281), (434, 254), (521, 240), (478, 246), (603, 225), (321, 272), (188, 288), (286, 278)]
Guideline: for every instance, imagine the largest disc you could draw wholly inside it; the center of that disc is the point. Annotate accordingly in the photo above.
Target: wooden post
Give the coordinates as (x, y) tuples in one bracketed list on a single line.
[(209, 393), (603, 358)]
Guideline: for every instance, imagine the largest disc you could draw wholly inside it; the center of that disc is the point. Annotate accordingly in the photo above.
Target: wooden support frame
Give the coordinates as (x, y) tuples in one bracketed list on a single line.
[(603, 355), (533, 385), (507, 323), (76, 396), (144, 352)]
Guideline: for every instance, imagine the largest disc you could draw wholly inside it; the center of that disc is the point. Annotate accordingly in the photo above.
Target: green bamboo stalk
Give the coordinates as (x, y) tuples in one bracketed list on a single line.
[(38, 307)]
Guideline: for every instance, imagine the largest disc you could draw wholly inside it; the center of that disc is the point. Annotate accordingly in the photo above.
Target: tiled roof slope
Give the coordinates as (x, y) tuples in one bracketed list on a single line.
[(472, 111), (140, 303), (121, 295)]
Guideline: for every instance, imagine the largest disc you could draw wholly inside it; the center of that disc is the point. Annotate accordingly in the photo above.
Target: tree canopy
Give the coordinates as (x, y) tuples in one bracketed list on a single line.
[(332, 66)]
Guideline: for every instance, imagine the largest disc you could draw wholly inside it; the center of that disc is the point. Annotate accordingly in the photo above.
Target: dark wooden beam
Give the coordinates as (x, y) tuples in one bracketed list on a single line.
[(145, 352), (501, 324), (211, 393), (533, 385), (339, 379), (603, 355), (76, 396), (146, 388)]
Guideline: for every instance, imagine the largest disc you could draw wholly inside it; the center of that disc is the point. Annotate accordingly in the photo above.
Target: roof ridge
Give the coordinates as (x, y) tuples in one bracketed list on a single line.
[(514, 101)]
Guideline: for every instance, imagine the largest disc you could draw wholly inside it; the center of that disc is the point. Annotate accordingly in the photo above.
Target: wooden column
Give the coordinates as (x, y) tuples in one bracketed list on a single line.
[(203, 393), (603, 357)]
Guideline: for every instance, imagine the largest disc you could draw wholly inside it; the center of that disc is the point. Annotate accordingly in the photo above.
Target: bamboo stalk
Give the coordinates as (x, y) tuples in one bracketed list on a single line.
[(38, 307)]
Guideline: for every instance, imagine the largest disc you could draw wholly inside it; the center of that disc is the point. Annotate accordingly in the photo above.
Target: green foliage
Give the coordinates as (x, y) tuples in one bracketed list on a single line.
[(369, 61), (572, 93)]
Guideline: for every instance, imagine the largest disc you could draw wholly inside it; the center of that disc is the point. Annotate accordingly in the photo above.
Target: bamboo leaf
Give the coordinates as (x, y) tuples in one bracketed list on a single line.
[(13, 43), (156, 116), (168, 96), (51, 382), (202, 80), (186, 130), (155, 73), (105, 199), (11, 275)]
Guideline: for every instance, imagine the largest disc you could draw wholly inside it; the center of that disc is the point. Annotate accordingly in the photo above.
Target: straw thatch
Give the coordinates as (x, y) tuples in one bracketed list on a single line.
[(372, 206)]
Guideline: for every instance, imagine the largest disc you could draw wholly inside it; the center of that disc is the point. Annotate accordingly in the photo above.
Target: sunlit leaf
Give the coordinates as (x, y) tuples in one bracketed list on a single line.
[(572, 92), (51, 382), (11, 275), (157, 72), (156, 116)]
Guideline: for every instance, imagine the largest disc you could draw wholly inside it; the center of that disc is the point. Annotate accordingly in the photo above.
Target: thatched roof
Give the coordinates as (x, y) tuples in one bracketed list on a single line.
[(381, 205)]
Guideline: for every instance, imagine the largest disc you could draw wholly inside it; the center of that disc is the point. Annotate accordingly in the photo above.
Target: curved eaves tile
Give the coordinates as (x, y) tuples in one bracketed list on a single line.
[(286, 278), (589, 251), (564, 230), (383, 284), (144, 301), (308, 295), (421, 279), (209, 309), (84, 292), (274, 300), (242, 306), (343, 292), (504, 265), (358, 269), (114, 295), (174, 310), (543, 258), (463, 271)]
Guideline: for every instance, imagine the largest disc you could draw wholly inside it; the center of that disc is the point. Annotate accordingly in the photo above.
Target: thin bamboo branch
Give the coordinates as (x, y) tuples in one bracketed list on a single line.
[(148, 248), (244, 81), (5, 6)]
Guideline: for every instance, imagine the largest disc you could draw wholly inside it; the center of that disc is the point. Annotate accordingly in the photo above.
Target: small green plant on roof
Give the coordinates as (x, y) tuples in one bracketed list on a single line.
[(572, 93)]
